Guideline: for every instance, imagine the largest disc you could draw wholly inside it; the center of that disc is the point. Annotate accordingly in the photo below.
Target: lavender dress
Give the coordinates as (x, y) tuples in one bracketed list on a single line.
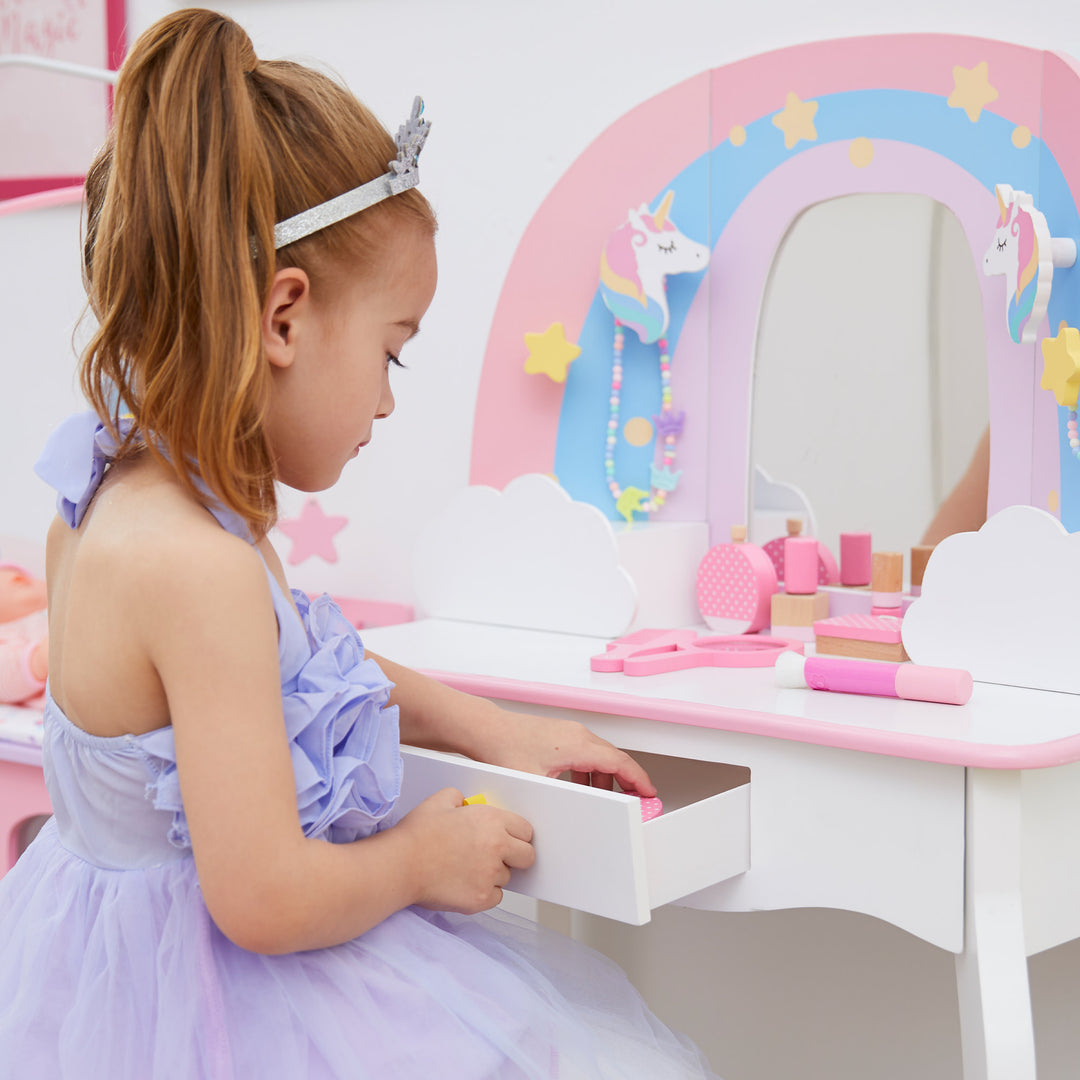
[(112, 969)]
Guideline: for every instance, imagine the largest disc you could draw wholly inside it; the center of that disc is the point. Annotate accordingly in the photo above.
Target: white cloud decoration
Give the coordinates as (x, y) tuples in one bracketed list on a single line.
[(1001, 603), (528, 556)]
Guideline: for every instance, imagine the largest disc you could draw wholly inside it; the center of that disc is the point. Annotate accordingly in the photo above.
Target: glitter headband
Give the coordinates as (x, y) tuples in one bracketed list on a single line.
[(403, 175)]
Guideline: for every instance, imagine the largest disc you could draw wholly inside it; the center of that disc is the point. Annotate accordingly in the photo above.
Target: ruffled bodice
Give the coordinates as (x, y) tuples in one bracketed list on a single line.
[(117, 799)]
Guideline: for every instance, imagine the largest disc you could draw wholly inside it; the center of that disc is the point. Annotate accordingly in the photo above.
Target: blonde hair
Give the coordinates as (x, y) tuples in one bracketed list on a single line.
[(209, 148)]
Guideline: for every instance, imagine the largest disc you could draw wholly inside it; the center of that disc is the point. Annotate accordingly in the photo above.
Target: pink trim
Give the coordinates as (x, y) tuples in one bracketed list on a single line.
[(744, 721), (116, 23), (39, 193), (744, 91)]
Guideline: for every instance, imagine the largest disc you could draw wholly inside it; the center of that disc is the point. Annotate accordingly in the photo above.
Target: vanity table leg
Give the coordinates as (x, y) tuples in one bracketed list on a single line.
[(998, 1039)]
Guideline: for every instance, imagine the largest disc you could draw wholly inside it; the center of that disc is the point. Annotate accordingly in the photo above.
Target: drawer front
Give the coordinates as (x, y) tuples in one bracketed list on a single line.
[(593, 852)]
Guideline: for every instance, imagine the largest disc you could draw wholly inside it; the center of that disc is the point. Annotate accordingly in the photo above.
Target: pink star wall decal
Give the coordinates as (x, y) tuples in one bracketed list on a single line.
[(312, 533)]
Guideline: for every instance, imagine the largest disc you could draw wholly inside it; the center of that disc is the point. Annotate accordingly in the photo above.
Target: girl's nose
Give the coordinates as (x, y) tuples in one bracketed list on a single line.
[(386, 400)]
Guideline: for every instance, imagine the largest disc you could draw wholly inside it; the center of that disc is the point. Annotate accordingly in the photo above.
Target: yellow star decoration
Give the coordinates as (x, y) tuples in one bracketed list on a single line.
[(972, 91), (550, 353), (1061, 365), (796, 120)]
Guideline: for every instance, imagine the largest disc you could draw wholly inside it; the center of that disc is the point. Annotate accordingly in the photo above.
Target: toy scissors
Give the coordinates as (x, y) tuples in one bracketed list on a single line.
[(651, 652)]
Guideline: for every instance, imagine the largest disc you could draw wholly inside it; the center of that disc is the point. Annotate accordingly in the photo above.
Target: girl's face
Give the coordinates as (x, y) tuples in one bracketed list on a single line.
[(331, 364)]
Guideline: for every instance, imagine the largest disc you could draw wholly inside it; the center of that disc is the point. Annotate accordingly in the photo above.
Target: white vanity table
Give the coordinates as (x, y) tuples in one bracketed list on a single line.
[(953, 823)]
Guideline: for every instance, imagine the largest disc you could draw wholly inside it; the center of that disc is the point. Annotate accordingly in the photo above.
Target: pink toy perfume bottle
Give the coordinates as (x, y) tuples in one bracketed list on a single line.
[(828, 573), (735, 584), (794, 611), (800, 565), (855, 559)]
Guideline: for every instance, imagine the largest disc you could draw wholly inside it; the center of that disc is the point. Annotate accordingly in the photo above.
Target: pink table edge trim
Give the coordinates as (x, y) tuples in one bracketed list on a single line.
[(746, 722)]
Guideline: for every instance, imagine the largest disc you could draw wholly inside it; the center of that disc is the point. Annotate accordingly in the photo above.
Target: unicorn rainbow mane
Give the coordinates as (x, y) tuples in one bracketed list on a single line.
[(1021, 226)]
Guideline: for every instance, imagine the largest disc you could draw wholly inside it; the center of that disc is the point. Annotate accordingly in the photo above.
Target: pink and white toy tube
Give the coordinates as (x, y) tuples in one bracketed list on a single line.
[(950, 686)]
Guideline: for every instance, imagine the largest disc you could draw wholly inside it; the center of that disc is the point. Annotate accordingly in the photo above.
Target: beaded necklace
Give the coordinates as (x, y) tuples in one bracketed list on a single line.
[(668, 426)]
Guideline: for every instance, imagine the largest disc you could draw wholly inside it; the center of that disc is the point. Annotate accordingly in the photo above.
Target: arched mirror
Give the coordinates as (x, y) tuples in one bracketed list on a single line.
[(870, 378)]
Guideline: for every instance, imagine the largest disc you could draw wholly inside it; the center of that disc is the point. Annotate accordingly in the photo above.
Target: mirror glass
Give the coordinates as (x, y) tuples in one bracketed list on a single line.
[(870, 386)]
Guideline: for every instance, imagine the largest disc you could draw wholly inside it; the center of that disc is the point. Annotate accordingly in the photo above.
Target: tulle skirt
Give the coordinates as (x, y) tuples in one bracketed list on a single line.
[(122, 975)]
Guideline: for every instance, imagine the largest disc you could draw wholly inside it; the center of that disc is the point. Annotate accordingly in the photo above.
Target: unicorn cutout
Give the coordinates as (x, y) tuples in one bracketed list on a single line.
[(634, 267), (639, 255), (1024, 251)]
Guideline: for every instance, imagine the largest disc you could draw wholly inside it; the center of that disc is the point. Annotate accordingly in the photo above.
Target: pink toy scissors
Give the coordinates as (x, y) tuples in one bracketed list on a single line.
[(650, 652)]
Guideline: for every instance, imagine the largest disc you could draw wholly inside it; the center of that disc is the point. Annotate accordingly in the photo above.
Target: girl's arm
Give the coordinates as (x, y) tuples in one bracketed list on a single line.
[(205, 618), (964, 509), (440, 718)]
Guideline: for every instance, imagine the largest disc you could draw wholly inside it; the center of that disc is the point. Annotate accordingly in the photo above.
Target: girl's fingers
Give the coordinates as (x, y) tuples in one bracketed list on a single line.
[(609, 763)]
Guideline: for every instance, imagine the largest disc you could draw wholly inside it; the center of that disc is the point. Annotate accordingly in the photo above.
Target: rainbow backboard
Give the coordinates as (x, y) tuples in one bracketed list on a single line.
[(746, 148)]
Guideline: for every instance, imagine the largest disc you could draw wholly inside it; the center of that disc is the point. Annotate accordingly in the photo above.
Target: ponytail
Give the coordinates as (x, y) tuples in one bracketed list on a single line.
[(183, 192)]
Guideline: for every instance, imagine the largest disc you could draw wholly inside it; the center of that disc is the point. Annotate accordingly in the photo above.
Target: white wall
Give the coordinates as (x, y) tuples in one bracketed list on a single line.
[(516, 90)]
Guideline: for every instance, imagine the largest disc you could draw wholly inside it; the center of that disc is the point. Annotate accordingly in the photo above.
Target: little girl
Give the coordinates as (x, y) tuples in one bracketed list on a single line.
[(222, 892)]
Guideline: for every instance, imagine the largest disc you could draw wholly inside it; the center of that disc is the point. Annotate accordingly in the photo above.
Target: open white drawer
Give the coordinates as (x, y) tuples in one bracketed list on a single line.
[(593, 851)]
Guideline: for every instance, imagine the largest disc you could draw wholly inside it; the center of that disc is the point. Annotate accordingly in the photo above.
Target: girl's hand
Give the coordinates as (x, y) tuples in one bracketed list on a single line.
[(464, 854), (544, 745)]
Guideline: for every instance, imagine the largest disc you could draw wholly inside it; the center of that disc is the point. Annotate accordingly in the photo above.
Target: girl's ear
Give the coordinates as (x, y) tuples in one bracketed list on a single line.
[(285, 315)]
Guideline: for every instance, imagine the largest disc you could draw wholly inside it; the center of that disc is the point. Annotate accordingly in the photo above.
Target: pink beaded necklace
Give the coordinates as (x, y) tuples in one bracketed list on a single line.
[(668, 426)]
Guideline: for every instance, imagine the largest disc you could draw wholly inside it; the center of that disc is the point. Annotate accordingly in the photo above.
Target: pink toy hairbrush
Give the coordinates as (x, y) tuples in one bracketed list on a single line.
[(653, 652)]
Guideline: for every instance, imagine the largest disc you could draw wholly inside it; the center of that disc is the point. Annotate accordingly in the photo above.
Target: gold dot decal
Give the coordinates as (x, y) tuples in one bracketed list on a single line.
[(1021, 137), (1052, 502), (861, 152), (737, 135), (638, 431)]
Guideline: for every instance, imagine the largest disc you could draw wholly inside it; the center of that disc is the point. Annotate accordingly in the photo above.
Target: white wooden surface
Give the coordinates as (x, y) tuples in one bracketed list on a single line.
[(999, 717)]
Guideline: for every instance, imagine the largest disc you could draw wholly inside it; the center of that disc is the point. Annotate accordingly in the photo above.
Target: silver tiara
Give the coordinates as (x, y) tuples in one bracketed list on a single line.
[(403, 175)]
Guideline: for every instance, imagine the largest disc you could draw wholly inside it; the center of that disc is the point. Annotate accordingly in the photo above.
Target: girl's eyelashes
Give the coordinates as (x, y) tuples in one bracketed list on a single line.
[(392, 359)]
